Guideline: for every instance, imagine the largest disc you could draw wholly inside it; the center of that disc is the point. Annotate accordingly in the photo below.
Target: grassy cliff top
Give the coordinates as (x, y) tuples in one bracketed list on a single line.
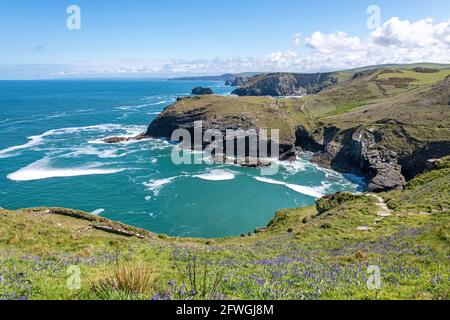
[(243, 112), (302, 254)]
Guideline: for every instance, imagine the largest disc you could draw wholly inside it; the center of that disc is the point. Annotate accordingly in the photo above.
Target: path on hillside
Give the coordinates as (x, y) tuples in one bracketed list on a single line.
[(384, 209), (383, 212)]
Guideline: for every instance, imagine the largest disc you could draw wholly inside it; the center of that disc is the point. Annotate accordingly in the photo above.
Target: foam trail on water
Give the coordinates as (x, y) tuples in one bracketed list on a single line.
[(39, 139), (312, 192), (90, 151), (216, 175), (34, 141), (42, 169)]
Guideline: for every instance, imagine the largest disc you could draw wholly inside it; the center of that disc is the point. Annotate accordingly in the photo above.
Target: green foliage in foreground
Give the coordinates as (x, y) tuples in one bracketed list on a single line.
[(300, 255)]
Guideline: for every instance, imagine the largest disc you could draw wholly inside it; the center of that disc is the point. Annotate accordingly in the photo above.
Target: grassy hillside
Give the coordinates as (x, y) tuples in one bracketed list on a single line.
[(371, 87), (302, 254)]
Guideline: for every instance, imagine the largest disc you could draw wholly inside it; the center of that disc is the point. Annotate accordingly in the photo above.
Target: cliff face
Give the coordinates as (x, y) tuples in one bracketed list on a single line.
[(359, 151), (389, 151), (285, 84), (227, 113)]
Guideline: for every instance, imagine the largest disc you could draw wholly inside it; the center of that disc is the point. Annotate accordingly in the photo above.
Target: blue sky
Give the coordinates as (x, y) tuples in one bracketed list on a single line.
[(150, 32)]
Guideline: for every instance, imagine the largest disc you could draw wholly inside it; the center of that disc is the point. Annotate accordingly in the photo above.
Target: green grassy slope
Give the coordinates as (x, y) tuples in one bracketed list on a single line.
[(300, 255), (384, 86)]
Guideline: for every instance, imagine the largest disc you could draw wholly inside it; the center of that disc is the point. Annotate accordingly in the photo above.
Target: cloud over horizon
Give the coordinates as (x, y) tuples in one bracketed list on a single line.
[(396, 41)]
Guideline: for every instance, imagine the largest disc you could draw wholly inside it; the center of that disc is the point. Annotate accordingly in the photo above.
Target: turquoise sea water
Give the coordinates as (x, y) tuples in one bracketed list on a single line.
[(51, 155)]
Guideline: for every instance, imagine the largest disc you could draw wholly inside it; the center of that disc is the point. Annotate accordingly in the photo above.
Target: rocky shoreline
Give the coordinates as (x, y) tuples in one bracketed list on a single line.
[(386, 152)]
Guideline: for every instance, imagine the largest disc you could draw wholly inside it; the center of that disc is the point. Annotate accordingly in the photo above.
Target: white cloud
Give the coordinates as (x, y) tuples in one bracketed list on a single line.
[(329, 43), (396, 41), (281, 59), (404, 34)]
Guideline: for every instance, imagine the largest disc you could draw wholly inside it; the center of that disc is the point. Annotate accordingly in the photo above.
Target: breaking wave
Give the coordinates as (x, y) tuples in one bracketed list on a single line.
[(42, 169), (315, 192)]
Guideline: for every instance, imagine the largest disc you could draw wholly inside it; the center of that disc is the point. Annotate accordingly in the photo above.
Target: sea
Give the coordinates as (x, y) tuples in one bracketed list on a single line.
[(52, 154)]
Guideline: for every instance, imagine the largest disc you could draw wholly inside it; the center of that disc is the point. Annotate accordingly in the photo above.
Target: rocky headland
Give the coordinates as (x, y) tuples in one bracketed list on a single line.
[(368, 125)]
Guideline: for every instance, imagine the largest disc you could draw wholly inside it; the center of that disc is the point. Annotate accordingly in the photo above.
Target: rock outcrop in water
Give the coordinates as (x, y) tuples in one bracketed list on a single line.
[(202, 91), (112, 140)]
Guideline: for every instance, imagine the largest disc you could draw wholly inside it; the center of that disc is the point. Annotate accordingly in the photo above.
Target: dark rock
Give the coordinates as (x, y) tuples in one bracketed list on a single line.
[(202, 91), (305, 140), (381, 164), (112, 140), (290, 155), (418, 161), (253, 163), (228, 83), (359, 151)]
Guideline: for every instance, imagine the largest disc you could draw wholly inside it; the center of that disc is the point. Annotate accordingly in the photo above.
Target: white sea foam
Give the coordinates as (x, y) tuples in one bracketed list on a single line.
[(294, 166), (315, 192), (98, 212), (140, 106), (34, 141), (42, 169), (156, 185), (40, 139), (217, 175), (90, 151), (130, 132), (162, 102), (133, 107)]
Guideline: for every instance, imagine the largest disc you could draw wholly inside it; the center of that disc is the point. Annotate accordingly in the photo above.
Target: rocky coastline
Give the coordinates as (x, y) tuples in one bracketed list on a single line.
[(386, 152)]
